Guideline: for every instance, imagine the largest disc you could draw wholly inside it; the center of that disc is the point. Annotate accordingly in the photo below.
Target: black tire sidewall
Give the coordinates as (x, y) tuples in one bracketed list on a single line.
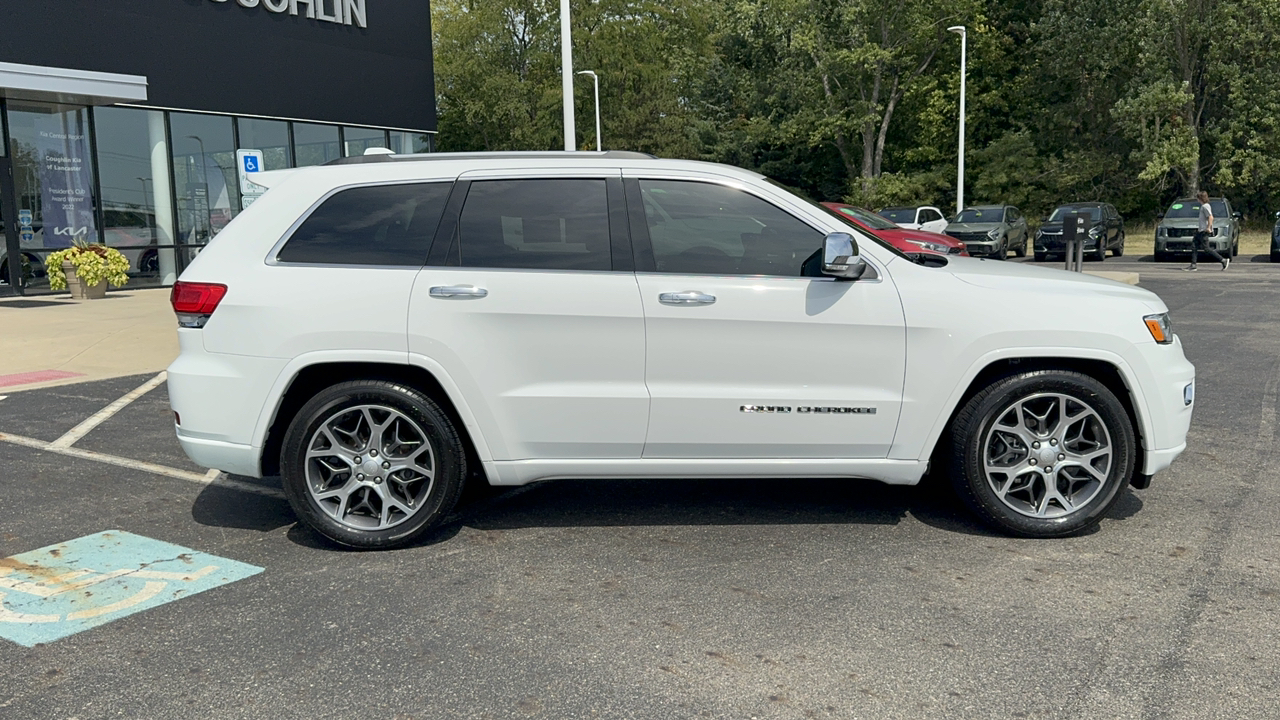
[(450, 461), (975, 419)]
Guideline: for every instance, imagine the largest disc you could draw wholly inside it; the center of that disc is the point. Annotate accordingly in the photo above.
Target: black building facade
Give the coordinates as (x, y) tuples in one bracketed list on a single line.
[(121, 118)]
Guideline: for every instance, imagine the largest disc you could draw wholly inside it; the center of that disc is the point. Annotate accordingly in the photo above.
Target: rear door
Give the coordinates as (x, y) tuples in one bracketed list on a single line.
[(931, 219), (747, 357), (530, 305)]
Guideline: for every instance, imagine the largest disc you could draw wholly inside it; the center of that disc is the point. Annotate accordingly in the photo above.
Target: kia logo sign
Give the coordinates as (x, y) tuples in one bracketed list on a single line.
[(70, 231), (341, 12)]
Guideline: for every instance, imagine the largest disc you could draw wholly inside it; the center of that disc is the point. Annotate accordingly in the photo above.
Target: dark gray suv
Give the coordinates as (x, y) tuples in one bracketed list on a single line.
[(1105, 228), (991, 231), (1177, 229)]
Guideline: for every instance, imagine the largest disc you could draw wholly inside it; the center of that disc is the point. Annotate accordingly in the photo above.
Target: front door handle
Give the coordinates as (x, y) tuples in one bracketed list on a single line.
[(688, 297), (462, 291)]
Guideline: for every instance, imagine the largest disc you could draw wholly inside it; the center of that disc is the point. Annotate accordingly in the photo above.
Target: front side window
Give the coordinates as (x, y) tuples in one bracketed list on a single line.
[(543, 224), (376, 225), (707, 229)]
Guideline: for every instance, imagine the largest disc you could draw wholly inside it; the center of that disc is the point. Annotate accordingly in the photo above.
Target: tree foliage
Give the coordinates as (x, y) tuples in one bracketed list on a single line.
[(1129, 101)]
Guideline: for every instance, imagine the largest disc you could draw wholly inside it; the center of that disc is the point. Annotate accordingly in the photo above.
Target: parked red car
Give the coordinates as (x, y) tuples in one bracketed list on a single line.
[(908, 241)]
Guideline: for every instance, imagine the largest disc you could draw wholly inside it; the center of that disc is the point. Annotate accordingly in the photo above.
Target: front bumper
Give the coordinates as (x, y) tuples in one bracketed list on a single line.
[(1050, 245), (1170, 401)]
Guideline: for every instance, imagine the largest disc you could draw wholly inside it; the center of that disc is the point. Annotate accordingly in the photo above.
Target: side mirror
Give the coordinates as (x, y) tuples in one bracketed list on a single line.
[(840, 257), (1278, 215), (1160, 216), (1236, 215)]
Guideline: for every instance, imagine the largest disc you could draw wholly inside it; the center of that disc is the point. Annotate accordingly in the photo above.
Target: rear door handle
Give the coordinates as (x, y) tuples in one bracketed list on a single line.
[(688, 297), (453, 291)]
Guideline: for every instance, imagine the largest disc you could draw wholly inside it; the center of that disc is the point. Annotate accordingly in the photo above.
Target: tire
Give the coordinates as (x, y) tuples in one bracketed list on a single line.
[(1100, 254), (1275, 256), (351, 510), (1119, 250), (1022, 249), (1080, 498), (1041, 257), (1002, 253), (1163, 257)]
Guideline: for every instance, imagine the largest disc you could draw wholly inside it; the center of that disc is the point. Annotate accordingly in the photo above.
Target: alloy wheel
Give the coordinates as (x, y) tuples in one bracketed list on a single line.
[(1047, 455), (369, 467)]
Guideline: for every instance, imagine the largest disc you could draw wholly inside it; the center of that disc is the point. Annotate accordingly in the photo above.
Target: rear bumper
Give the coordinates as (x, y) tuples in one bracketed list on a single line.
[(227, 457)]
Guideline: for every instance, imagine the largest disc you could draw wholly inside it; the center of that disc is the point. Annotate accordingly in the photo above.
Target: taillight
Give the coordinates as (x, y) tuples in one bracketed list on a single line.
[(194, 302)]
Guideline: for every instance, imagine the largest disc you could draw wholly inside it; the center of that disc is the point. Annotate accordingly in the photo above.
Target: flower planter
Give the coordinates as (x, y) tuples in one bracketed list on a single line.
[(79, 290)]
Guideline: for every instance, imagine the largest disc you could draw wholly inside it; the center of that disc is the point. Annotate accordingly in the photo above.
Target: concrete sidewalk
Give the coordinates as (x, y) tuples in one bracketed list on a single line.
[(66, 341)]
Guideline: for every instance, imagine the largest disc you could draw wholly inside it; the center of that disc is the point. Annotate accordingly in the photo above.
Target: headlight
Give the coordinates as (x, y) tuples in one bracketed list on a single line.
[(931, 246), (1162, 231), (1160, 327), (994, 234), (1095, 232)]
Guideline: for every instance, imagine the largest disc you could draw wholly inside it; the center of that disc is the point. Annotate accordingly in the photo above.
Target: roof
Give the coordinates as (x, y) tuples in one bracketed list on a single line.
[(512, 155)]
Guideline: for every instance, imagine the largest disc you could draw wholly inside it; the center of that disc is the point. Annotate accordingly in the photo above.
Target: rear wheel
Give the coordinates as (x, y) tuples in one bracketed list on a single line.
[(1042, 454), (372, 464)]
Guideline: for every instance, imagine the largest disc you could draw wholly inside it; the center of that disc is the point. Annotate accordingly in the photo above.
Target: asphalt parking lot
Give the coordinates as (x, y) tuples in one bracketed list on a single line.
[(727, 599)]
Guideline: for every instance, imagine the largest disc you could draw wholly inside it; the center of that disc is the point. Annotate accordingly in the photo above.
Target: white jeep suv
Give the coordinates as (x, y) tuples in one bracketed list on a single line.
[(379, 330)]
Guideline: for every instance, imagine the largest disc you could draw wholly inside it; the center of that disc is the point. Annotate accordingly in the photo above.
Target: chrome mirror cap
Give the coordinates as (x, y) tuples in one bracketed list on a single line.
[(840, 258)]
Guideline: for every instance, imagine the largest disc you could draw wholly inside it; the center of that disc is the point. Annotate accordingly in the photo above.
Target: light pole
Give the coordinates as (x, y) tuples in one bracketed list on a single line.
[(595, 80), (964, 42), (566, 76)]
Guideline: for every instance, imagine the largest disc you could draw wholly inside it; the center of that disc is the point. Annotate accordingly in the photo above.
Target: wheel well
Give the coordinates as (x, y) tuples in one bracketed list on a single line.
[(312, 379), (1100, 370)]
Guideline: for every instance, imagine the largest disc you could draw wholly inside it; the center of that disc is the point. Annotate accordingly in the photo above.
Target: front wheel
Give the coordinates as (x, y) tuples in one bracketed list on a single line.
[(1119, 251), (1042, 454), (372, 464)]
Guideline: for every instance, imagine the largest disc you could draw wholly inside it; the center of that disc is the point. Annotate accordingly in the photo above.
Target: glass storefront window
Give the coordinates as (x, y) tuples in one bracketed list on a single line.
[(269, 136), (357, 140), (204, 172), (409, 142), (315, 144), (137, 205), (52, 178)]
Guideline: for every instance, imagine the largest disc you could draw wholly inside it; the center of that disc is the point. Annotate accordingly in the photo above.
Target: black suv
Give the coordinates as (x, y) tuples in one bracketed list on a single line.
[(1106, 231)]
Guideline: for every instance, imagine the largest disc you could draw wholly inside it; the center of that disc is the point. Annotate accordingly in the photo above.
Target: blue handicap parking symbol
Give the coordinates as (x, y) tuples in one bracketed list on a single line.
[(63, 589), (250, 163)]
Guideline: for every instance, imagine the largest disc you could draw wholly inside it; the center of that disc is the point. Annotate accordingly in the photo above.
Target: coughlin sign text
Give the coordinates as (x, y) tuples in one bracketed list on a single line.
[(341, 12)]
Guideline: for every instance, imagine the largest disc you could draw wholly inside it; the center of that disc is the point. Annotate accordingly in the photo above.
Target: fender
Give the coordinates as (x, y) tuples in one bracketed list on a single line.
[(1127, 374)]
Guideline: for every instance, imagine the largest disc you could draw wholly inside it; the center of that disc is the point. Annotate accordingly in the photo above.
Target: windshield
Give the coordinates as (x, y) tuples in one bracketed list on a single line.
[(980, 215), (829, 211), (871, 220), (1094, 213), (899, 215), (1191, 209)]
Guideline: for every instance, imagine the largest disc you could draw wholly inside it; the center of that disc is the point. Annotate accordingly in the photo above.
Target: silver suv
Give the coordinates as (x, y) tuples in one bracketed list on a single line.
[(1177, 228)]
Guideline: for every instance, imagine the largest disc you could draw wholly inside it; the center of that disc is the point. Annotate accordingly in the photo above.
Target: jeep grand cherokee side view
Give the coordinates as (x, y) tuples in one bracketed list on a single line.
[(380, 332)]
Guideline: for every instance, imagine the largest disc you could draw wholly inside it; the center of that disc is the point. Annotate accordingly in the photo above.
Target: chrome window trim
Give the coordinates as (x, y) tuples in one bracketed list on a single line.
[(754, 192), (272, 258)]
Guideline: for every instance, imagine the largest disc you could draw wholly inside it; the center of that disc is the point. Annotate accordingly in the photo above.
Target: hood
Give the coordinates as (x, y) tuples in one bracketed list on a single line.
[(1008, 276), (922, 236), (972, 227), (1056, 227)]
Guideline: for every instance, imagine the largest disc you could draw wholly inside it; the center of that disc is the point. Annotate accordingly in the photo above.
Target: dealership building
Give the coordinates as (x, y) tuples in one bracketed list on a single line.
[(122, 119)]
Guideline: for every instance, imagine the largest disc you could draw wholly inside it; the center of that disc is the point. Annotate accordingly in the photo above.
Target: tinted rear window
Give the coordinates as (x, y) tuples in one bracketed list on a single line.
[(551, 224), (377, 225)]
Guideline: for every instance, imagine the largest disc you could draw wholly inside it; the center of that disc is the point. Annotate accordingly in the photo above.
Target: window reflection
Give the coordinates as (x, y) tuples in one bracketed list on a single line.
[(137, 215), (315, 144), (357, 140), (269, 136), (204, 171)]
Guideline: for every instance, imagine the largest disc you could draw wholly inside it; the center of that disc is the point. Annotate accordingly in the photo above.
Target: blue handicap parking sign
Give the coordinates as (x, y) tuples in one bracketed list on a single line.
[(63, 589), (251, 163)]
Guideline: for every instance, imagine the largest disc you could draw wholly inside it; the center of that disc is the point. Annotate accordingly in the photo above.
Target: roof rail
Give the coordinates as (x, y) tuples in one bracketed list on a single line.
[(500, 155)]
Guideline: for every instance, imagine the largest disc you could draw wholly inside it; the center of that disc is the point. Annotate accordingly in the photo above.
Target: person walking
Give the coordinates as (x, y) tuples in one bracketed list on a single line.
[(1203, 229)]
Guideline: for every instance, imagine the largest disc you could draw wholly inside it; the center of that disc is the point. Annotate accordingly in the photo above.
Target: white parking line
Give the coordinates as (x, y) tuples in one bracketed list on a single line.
[(105, 413), (213, 477)]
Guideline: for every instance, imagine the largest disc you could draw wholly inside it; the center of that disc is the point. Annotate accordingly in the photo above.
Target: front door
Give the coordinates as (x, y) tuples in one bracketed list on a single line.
[(537, 318), (746, 357)]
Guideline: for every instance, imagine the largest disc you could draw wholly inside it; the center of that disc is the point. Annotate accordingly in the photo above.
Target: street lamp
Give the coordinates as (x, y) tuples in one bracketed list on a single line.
[(595, 80), (964, 37), (566, 76)]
